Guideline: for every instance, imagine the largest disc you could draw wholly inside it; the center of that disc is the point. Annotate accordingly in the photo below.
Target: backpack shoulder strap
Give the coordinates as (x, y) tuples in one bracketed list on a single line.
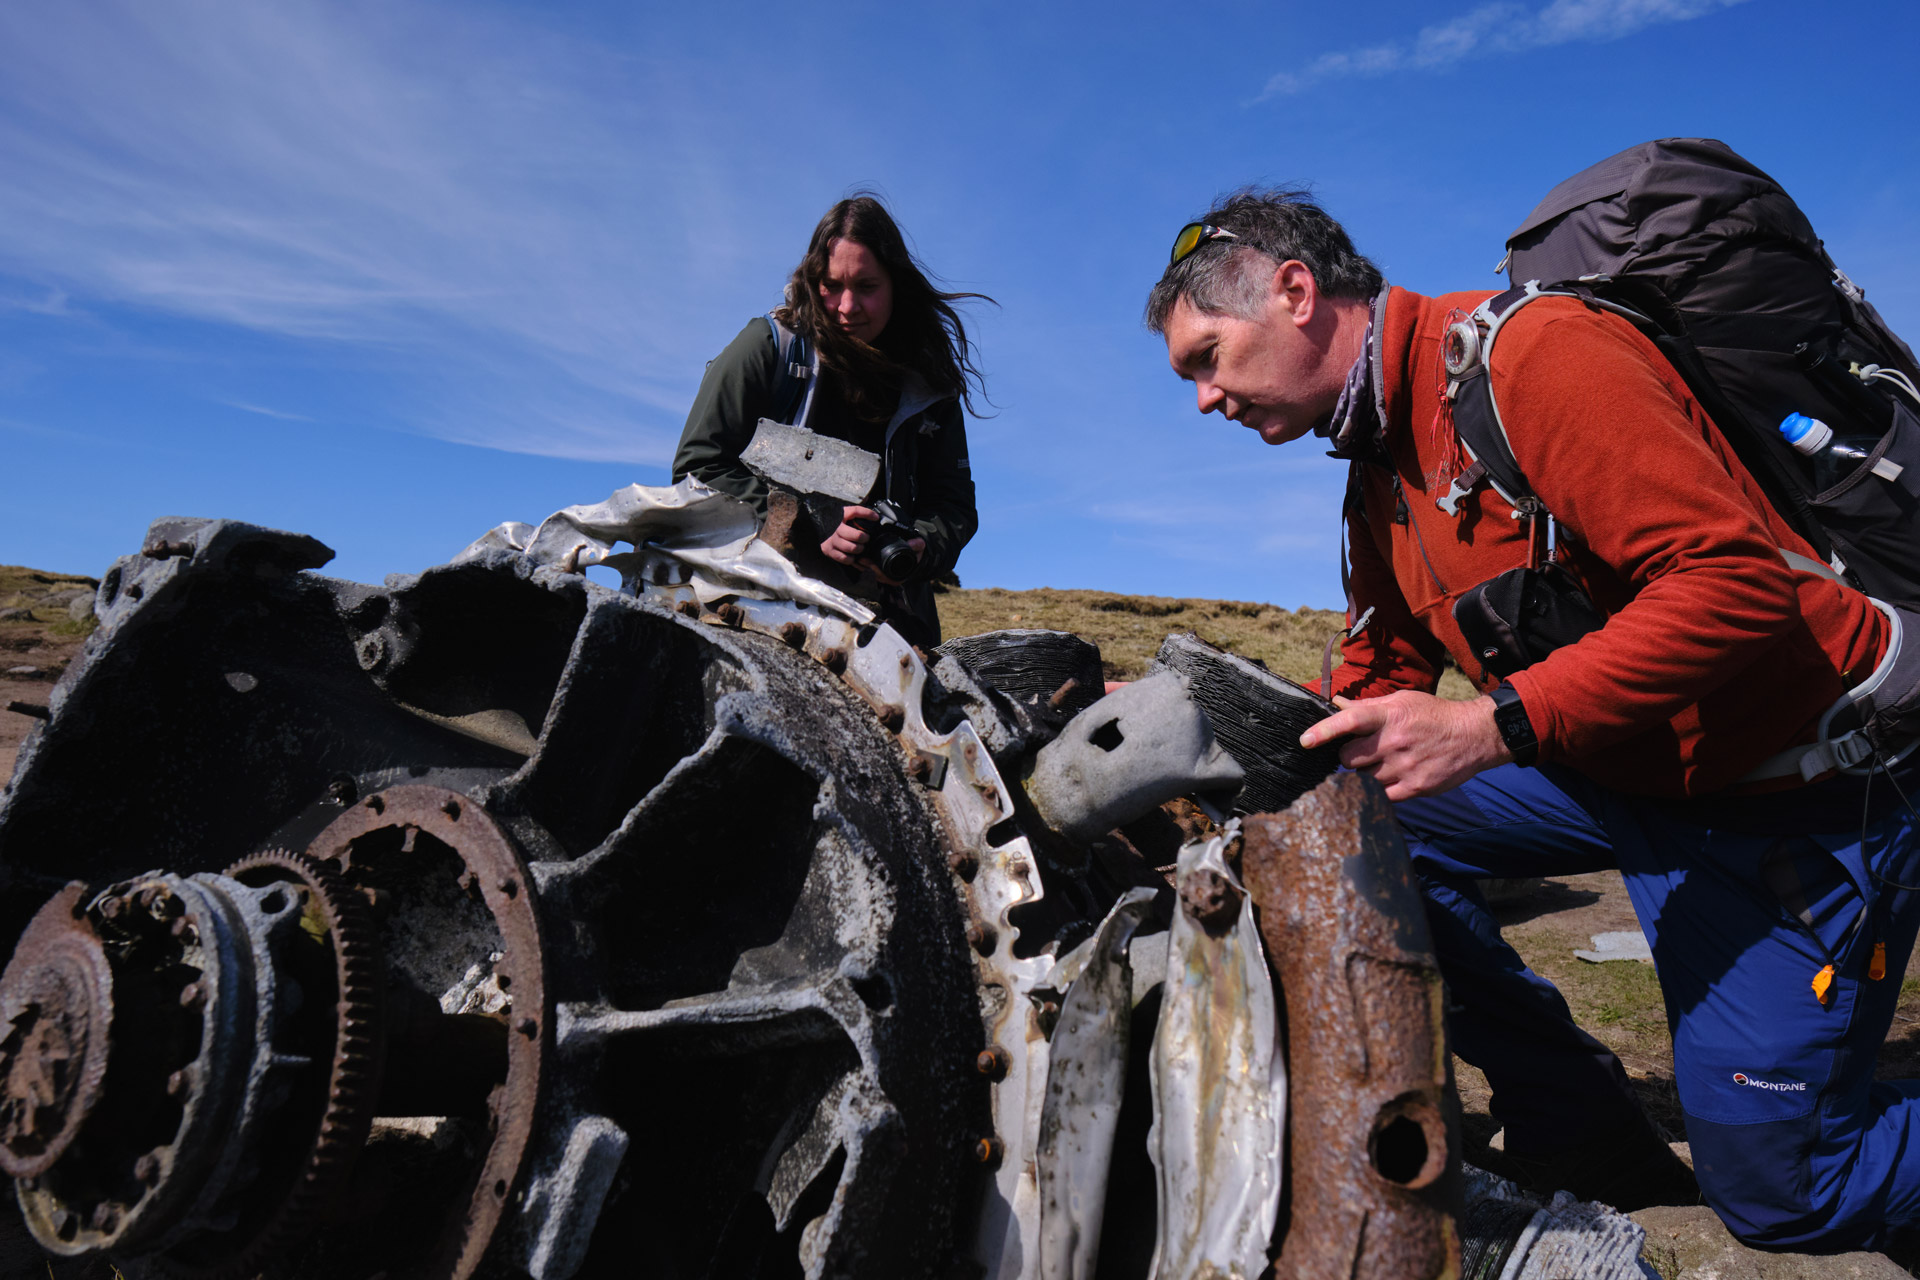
[(795, 367), (1476, 414)]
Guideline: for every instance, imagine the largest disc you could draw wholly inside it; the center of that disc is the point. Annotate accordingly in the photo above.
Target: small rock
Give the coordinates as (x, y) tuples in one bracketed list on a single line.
[(16, 614), (23, 671), (1628, 944), (80, 608)]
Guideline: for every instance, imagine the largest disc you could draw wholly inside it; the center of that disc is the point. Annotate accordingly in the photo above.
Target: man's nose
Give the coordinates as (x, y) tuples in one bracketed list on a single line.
[(1208, 396)]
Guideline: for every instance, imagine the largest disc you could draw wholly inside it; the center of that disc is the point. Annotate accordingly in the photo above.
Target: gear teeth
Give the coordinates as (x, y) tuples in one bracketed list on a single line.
[(348, 1114)]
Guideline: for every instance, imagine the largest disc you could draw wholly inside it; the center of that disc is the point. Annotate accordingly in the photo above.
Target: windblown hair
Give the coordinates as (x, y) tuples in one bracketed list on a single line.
[(924, 334), (1270, 226)]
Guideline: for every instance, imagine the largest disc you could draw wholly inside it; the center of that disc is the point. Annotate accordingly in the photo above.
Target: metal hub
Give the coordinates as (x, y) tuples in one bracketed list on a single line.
[(56, 1001)]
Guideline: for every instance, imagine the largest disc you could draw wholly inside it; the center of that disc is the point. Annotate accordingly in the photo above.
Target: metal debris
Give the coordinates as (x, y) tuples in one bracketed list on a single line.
[(1137, 747), (1085, 1078), (1220, 1089), (1375, 1182)]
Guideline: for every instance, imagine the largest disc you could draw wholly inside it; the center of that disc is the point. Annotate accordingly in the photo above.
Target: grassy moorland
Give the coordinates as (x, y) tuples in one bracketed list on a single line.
[(1129, 629)]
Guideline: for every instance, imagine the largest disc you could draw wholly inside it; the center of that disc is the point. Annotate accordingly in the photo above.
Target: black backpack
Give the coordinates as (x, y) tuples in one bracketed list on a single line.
[(1710, 259), (1715, 264)]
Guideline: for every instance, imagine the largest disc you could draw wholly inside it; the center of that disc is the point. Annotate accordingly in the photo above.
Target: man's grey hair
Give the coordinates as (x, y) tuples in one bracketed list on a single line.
[(1270, 226)]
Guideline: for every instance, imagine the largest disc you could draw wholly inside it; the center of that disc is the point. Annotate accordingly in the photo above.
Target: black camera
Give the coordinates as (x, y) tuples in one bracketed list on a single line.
[(890, 538)]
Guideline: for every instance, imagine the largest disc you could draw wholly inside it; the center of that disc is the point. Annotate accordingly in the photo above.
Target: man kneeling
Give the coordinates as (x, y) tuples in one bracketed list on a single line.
[(1778, 911)]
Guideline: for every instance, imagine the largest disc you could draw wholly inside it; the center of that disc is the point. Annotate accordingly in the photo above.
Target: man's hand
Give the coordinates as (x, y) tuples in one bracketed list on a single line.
[(848, 543), (1414, 744)]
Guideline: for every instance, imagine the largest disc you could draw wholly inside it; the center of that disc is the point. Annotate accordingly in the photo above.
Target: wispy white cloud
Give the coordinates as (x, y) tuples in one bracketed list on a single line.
[(265, 412), (1500, 27), (549, 231)]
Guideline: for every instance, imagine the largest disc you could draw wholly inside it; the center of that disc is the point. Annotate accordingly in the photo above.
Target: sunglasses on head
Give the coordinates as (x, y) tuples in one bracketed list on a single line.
[(1195, 234)]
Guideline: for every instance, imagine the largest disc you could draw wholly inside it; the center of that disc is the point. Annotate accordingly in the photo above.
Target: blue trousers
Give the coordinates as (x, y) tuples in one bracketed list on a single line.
[(1744, 901)]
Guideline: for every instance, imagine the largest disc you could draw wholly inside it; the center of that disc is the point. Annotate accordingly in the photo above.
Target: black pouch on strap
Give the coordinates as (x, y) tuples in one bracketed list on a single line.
[(1523, 615), (1891, 709)]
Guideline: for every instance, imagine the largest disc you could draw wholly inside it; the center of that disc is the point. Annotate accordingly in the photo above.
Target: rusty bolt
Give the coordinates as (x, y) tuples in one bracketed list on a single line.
[(688, 608), (146, 1169), (662, 575), (166, 906), (993, 1062), (183, 930), (919, 768), (794, 633), (963, 864), (112, 908), (906, 662), (988, 1150), (835, 660), (1049, 1009), (177, 1083), (1211, 900), (731, 614), (148, 896), (1058, 698), (981, 937), (892, 719), (106, 1216), (193, 996), (342, 791)]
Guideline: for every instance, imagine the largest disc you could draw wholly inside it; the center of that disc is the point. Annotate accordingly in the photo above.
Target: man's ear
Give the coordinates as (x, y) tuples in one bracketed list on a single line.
[(1294, 289)]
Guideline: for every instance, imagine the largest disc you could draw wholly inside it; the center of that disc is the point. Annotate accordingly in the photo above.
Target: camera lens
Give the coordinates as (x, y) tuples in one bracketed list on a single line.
[(896, 559)]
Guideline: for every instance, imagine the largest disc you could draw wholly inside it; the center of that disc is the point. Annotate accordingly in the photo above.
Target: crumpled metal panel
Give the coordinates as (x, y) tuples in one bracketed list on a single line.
[(1375, 1171), (712, 537), (1219, 1083), (1136, 748), (1086, 1077), (1508, 1234)]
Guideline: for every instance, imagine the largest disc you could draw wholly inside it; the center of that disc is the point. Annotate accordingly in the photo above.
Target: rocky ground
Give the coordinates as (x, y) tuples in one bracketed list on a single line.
[(44, 617)]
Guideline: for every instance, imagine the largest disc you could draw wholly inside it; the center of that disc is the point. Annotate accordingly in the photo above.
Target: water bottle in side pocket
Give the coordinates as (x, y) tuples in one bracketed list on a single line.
[(1834, 457)]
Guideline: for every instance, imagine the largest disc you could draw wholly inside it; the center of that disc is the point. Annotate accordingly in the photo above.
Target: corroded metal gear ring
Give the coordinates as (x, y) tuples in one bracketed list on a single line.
[(336, 911), (501, 878)]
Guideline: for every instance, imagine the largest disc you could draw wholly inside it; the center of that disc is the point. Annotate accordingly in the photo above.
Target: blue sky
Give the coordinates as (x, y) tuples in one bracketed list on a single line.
[(391, 273)]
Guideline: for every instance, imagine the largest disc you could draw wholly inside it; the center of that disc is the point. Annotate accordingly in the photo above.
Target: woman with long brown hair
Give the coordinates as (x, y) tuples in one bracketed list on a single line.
[(867, 350)]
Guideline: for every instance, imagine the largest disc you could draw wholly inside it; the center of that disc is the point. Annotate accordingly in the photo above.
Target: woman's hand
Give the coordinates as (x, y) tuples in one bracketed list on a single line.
[(848, 544)]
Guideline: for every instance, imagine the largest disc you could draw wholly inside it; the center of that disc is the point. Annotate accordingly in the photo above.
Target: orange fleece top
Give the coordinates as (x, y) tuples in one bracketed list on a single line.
[(1715, 654)]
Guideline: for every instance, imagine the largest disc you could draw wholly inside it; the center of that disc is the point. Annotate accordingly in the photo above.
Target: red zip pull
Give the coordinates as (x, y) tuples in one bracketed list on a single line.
[(1877, 967)]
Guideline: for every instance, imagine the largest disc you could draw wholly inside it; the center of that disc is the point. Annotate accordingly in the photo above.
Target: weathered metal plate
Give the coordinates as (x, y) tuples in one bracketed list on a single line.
[(808, 462), (1219, 1085), (1086, 1076)]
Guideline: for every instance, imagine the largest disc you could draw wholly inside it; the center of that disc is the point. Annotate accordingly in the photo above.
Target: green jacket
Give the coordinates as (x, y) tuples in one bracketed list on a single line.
[(926, 470)]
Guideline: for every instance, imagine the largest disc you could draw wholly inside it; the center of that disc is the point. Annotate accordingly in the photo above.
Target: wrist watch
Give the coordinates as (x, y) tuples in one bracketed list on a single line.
[(1510, 718)]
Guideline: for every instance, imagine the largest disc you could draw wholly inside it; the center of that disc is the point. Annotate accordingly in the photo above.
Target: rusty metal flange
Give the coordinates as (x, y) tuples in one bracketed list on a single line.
[(56, 1003), (500, 877)]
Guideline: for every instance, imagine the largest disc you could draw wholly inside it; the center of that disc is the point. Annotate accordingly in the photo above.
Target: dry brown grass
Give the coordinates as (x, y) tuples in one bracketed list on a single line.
[(1129, 629)]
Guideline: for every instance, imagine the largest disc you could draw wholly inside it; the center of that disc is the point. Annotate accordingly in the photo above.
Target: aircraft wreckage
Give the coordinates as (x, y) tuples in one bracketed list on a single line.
[(493, 922)]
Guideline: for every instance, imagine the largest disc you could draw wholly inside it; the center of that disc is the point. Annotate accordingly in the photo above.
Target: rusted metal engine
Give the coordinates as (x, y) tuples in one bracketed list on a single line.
[(496, 923)]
